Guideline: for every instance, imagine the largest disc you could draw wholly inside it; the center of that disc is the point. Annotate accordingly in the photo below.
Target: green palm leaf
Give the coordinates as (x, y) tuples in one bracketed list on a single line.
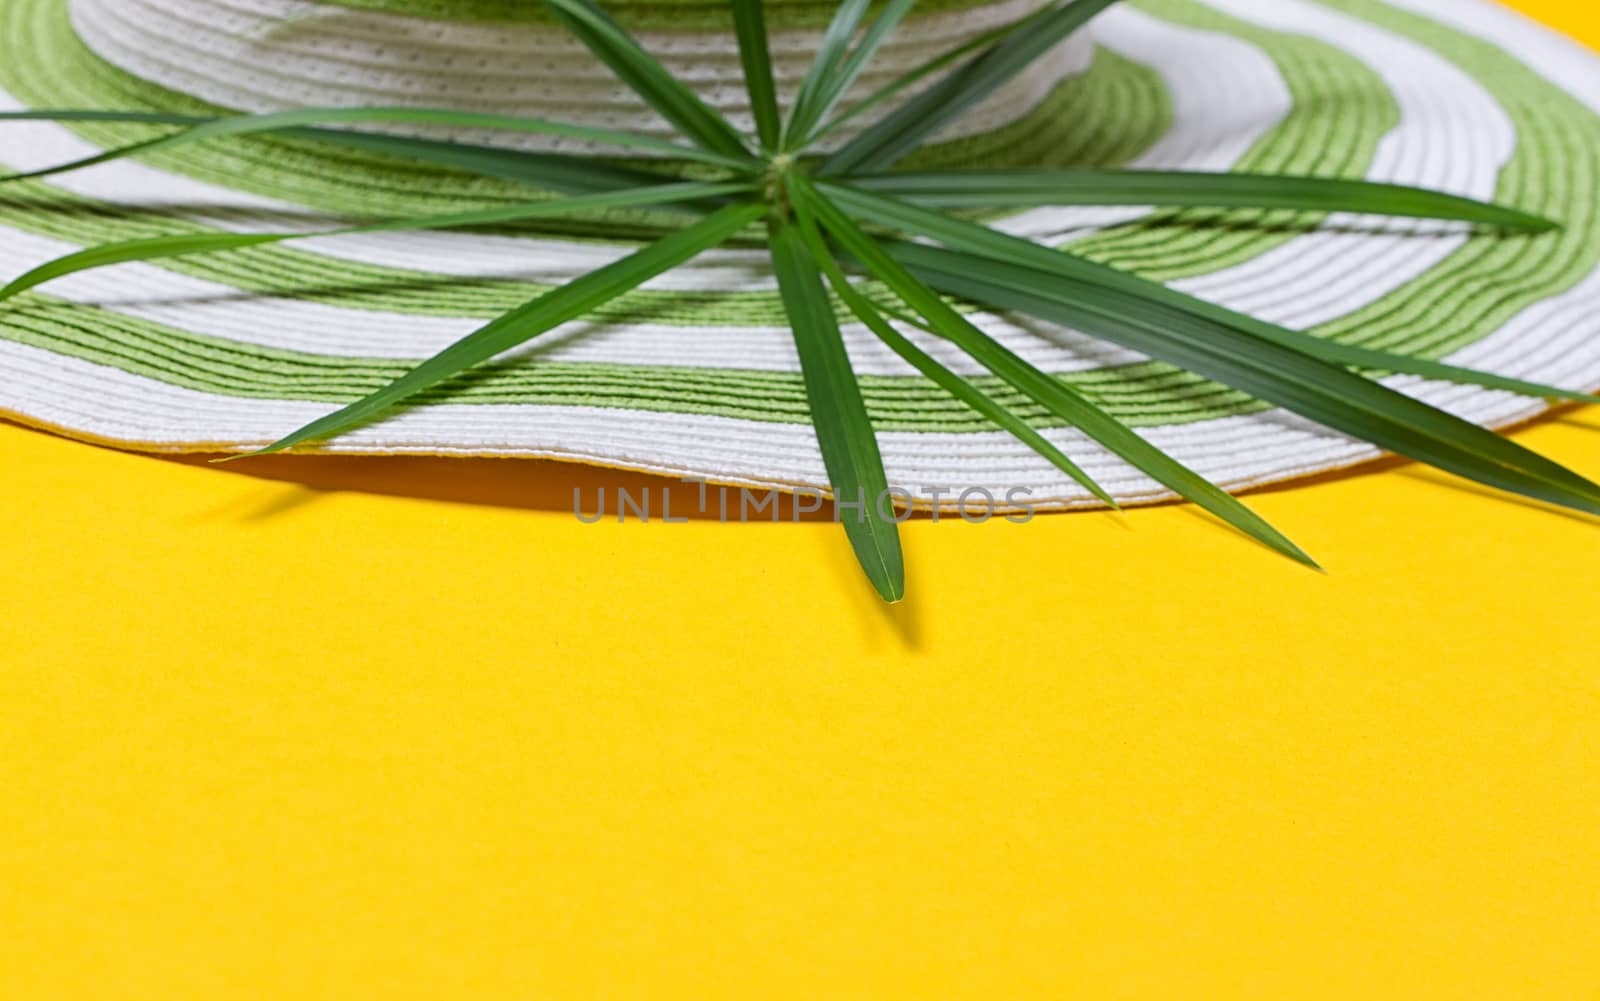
[(550, 171), (1010, 273), (833, 78), (1325, 393), (648, 78), (1022, 188), (1383, 362), (844, 432), (893, 13), (921, 72), (830, 54), (536, 317), (1049, 392), (872, 316), (904, 129), (1288, 368), (902, 215), (749, 23), (284, 121), (159, 247)]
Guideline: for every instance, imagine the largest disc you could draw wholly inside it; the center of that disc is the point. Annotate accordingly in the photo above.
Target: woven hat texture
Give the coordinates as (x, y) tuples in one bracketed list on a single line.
[(695, 374)]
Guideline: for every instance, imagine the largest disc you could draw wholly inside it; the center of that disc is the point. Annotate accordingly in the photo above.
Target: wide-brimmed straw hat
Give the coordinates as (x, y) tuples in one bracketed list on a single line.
[(697, 374)]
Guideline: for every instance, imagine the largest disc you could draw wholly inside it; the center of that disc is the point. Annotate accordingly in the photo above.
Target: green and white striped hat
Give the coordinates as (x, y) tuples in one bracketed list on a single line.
[(695, 374)]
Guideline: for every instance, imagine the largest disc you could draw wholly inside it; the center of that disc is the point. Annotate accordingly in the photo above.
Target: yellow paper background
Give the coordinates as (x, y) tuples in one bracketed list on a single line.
[(329, 728)]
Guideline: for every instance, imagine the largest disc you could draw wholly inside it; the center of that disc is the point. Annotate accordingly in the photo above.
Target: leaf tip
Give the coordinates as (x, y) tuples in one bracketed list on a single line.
[(1305, 559), (1518, 220), (892, 591)]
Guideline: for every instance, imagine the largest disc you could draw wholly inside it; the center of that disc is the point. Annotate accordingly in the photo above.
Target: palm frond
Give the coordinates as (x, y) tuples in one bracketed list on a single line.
[(635, 67), (547, 171), (831, 220), (822, 91), (824, 67), (306, 118), (541, 315), (750, 25), (1010, 273), (844, 432), (904, 129), (160, 247), (873, 317), (971, 189), (921, 72), (1063, 401)]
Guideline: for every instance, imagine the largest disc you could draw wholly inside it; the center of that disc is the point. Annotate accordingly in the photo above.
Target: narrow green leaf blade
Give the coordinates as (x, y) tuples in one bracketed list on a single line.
[(533, 318), (911, 218), (980, 402), (824, 68), (750, 25), (126, 251), (550, 171), (648, 78), (921, 72), (159, 247), (861, 55), (1387, 361), (838, 84), (1063, 401), (869, 314), (904, 129), (232, 126), (844, 432), (1022, 188), (103, 115), (1271, 371)]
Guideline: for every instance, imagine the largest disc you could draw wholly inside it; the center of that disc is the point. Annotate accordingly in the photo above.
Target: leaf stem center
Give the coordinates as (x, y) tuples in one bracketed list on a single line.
[(777, 192)]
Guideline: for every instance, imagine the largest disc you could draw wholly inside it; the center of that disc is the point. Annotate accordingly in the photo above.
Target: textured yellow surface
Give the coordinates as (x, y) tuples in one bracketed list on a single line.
[(357, 729)]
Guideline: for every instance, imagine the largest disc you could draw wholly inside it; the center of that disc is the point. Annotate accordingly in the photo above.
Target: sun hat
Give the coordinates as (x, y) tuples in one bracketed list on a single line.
[(696, 374)]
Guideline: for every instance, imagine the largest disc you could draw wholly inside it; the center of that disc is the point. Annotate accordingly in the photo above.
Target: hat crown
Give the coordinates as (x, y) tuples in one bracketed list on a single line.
[(505, 56)]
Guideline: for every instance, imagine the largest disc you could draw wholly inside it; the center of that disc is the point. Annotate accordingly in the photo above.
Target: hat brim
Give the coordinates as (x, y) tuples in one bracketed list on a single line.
[(696, 375)]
